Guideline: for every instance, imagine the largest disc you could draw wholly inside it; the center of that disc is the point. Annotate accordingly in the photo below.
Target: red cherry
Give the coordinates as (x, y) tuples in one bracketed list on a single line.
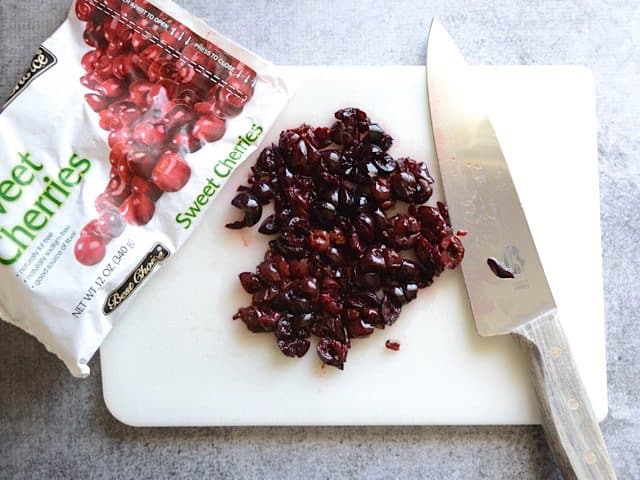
[(202, 86), (209, 128), (125, 173), (175, 38), (99, 17), (89, 81), (89, 250), (93, 35), (205, 108), (139, 93), (148, 56), (129, 11), (123, 66), (187, 96), (155, 69), (118, 189), (105, 203), (171, 173), (139, 42), (149, 134), (84, 10), (110, 225), (103, 69), (142, 185), (184, 141), (126, 113), (108, 120), (178, 115), (112, 88), (118, 107), (114, 49), (243, 86), (91, 228), (130, 116), (125, 37), (96, 102), (112, 29), (145, 22), (226, 110), (141, 162), (233, 97), (90, 59), (113, 4), (163, 91), (138, 209), (186, 73), (123, 135), (213, 92), (119, 151)]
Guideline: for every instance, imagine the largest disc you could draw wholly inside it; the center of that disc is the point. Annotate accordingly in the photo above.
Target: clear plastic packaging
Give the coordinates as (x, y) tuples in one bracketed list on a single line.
[(130, 119)]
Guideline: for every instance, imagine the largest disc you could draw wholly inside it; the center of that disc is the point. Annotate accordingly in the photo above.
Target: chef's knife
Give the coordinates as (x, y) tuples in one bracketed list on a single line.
[(482, 200)]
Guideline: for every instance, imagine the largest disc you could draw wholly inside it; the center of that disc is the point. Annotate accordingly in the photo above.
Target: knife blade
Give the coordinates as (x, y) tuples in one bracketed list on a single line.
[(505, 280)]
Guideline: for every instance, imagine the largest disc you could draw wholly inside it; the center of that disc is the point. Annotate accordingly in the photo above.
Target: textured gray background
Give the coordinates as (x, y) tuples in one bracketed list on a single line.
[(52, 426)]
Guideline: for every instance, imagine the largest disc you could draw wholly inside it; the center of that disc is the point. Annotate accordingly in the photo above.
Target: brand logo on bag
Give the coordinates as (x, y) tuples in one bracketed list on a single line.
[(157, 255), (42, 61)]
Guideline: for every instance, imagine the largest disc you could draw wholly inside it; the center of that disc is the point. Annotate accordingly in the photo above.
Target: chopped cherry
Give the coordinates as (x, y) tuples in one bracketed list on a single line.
[(335, 269), (392, 345)]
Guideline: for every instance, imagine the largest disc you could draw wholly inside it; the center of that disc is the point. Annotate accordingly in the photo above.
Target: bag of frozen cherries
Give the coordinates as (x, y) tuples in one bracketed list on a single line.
[(117, 139)]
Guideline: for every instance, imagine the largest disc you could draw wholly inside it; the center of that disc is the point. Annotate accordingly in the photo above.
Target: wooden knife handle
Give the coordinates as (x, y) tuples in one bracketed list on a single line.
[(567, 417)]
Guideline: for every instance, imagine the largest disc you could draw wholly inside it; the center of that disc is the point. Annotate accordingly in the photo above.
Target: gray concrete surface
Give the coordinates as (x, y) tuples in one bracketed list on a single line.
[(53, 426)]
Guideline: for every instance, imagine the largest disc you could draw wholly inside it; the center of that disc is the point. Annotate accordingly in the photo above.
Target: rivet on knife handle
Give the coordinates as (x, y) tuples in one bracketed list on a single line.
[(568, 420)]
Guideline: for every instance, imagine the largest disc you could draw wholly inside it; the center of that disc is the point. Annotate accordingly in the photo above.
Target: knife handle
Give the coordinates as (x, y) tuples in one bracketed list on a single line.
[(568, 420)]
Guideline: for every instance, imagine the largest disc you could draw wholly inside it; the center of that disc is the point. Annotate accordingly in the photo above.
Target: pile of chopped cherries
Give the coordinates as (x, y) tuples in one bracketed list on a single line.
[(336, 270)]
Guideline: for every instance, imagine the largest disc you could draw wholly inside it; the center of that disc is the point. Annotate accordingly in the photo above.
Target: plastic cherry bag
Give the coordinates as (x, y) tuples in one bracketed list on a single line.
[(130, 119)]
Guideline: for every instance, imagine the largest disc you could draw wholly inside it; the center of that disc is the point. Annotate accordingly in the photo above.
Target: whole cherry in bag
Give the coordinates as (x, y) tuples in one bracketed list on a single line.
[(113, 145)]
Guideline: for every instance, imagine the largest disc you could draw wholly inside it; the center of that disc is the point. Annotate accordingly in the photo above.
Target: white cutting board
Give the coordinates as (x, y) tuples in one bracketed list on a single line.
[(178, 358)]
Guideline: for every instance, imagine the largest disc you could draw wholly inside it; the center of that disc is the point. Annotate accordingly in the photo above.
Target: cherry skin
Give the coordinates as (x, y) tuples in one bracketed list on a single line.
[(139, 93), (118, 189), (186, 142), (111, 225), (85, 10), (89, 250), (209, 128), (171, 173), (137, 209), (142, 185), (149, 134), (96, 102), (141, 162), (90, 59), (105, 203)]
